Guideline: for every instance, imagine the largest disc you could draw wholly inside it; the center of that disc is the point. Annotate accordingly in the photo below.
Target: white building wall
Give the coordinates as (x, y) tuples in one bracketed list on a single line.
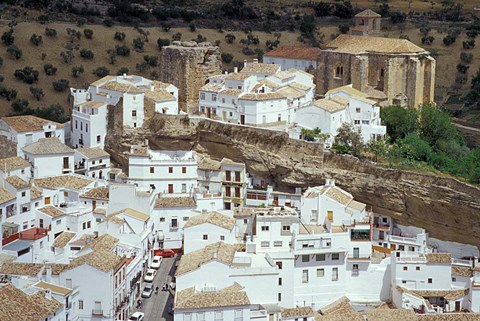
[(287, 63), (50, 165), (96, 124), (194, 236)]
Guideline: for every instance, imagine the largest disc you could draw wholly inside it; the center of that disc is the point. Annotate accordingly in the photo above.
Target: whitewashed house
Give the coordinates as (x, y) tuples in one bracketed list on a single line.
[(208, 228), (140, 99), (92, 162), (343, 105), (49, 157), (25, 130), (167, 172), (303, 58), (260, 95), (15, 166)]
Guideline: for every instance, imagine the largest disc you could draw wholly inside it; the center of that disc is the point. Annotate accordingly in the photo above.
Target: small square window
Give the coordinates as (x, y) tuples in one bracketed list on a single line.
[(417, 268), (430, 280), (205, 237), (405, 268), (305, 258), (170, 170), (335, 256), (184, 170)]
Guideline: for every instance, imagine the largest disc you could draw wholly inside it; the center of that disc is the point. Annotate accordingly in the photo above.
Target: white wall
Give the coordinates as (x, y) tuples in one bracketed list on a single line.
[(50, 165)]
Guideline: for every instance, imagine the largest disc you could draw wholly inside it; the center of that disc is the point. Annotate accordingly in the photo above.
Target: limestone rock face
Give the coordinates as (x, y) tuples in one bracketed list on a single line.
[(448, 208), (188, 65)]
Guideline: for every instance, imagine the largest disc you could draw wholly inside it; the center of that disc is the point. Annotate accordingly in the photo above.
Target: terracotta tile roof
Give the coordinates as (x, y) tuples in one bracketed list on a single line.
[(63, 181), (212, 87), (444, 258), (340, 317), (282, 75), (97, 193), (53, 288), (17, 182), (290, 92), (449, 295), (390, 315), (354, 93), (103, 80), (357, 44), (228, 161), (47, 146), (228, 297), (311, 229), (28, 123), (208, 164), (93, 104), (299, 312), (367, 14), (51, 211), (132, 213), (214, 218), (261, 68), (106, 242), (159, 95), (31, 269), (238, 76), (17, 305), (340, 306), (338, 195), (13, 163), (462, 271), (270, 84), (62, 240), (299, 86), (35, 193), (262, 96), (116, 86), (5, 196), (93, 152), (219, 251), (231, 92), (103, 260), (328, 105), (175, 202), (160, 84), (291, 52), (449, 317), (357, 205)]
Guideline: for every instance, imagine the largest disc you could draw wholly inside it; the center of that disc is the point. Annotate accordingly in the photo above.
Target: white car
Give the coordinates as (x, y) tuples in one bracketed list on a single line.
[(147, 290), (150, 275), (137, 316), (157, 260)]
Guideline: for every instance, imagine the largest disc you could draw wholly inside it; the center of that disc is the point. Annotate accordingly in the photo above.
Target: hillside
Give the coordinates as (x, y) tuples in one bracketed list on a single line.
[(103, 39)]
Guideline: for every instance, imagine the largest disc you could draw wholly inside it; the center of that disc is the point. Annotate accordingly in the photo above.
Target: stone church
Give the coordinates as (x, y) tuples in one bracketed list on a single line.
[(390, 71)]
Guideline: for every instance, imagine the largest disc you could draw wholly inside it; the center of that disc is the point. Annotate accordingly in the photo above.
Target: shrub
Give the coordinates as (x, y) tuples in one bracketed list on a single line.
[(85, 53), (77, 71), (192, 27), (27, 75), (259, 52), (138, 44), (466, 57), (37, 92), (123, 50), (427, 40), (112, 55), (344, 28), (14, 52), (19, 105), (36, 40), (43, 56), (272, 44), (154, 75), (108, 22), (398, 17), (120, 36), (122, 70), (8, 38), (67, 56), (461, 68), (49, 69), (142, 66), (50, 32), (227, 57), (88, 33), (151, 60), (166, 26), (60, 84), (162, 42), (469, 44), (177, 36), (81, 22), (8, 93), (101, 72), (74, 34), (230, 38), (200, 38)]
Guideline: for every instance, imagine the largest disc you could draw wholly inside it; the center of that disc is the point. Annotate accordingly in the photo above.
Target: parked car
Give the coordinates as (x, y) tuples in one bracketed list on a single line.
[(147, 290), (150, 275), (165, 253), (172, 286), (137, 316), (156, 262), (170, 307)]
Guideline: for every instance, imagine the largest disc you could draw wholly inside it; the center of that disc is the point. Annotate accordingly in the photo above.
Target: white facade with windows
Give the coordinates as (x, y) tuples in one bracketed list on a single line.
[(89, 124), (92, 162)]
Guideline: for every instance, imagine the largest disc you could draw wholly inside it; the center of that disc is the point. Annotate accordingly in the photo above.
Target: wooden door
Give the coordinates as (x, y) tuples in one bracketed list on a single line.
[(94, 205), (242, 119), (47, 200)]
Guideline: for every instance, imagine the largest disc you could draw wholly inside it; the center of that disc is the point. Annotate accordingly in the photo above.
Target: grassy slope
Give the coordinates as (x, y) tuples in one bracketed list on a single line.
[(103, 40)]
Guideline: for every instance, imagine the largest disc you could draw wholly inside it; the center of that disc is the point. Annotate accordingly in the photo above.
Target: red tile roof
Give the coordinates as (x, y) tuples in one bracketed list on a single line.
[(306, 53)]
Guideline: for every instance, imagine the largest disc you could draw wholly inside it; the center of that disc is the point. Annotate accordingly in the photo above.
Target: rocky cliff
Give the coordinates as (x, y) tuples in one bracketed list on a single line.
[(188, 65), (448, 208)]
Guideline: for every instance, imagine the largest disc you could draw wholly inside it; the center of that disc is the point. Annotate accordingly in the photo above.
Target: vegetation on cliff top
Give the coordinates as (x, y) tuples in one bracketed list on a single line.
[(416, 140)]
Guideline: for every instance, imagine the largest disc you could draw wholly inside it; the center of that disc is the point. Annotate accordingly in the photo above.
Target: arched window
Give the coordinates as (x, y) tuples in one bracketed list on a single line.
[(338, 71)]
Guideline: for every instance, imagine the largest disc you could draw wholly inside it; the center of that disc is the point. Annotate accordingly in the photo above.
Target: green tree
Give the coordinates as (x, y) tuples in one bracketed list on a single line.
[(230, 38), (435, 125), (162, 43), (37, 92), (19, 105), (227, 57), (77, 71), (120, 36), (36, 40), (123, 50), (86, 53), (177, 36), (151, 60), (50, 32), (67, 56), (344, 28), (14, 52), (122, 71), (138, 44), (28, 75), (101, 72), (49, 69), (112, 55), (88, 33), (399, 121), (60, 84), (378, 148), (8, 38), (413, 147), (348, 139)]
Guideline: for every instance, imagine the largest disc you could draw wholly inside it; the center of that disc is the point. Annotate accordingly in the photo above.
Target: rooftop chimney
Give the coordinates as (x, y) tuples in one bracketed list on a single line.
[(245, 63), (124, 76), (327, 182), (255, 61), (235, 69), (146, 142)]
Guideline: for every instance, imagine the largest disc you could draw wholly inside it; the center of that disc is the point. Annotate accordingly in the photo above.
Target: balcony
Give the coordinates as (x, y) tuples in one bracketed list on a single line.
[(33, 234), (401, 239), (362, 257), (382, 226)]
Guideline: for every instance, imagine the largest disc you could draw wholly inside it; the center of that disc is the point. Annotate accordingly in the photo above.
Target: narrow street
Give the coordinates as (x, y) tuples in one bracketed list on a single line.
[(155, 307)]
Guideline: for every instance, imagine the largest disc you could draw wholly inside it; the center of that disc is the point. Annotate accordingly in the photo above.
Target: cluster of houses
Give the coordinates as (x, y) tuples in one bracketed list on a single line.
[(79, 235)]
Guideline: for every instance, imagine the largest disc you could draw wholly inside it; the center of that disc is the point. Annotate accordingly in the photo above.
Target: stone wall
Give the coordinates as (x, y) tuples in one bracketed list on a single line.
[(448, 208), (188, 65)]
